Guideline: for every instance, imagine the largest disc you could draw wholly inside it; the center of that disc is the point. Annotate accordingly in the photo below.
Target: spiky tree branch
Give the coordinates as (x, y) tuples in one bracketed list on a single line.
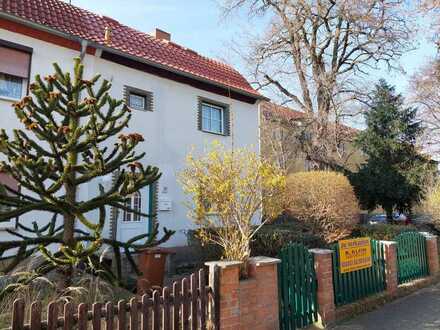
[(68, 122)]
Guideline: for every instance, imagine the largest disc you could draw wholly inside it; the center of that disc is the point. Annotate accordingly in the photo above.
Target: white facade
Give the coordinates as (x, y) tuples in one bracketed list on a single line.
[(170, 130)]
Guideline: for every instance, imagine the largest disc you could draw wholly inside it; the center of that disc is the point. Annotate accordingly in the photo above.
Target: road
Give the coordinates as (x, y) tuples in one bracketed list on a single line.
[(420, 310)]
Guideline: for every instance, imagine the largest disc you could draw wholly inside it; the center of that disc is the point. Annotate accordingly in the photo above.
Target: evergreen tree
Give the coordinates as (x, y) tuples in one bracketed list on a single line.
[(394, 173), (69, 124)]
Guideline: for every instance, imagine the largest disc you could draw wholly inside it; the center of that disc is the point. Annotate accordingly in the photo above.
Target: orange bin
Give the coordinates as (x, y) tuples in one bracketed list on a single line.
[(151, 264)]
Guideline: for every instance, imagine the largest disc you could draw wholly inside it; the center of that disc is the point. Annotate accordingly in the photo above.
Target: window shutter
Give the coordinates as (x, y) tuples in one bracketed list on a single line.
[(227, 121), (9, 181), (14, 62), (149, 103), (114, 212), (199, 113)]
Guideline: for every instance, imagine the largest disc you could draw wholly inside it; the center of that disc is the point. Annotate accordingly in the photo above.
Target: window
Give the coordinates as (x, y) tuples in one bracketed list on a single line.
[(212, 118), (11, 86), (134, 202), (14, 69), (138, 99)]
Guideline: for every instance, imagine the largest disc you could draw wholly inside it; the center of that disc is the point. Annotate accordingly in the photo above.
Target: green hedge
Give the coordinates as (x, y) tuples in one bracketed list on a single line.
[(268, 241), (386, 232)]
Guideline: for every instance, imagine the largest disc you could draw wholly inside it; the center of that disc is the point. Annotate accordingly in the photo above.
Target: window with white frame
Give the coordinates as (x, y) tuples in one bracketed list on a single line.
[(11, 86), (212, 118), (134, 202), (14, 70), (138, 99)]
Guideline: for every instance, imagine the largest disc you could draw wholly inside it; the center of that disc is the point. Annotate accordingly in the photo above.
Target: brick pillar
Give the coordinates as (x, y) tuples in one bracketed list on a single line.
[(432, 253), (325, 293), (228, 289), (391, 279), (263, 314), (251, 303)]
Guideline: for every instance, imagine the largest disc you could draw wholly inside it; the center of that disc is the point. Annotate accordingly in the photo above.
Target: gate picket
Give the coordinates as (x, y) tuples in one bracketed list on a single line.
[(297, 288), (355, 285), (412, 262)]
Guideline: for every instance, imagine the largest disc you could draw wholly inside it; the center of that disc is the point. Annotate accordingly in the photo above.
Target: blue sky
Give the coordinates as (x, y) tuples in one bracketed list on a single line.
[(197, 24)]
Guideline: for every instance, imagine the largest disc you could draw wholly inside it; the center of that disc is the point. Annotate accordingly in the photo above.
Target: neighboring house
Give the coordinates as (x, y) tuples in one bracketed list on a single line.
[(284, 133), (179, 98)]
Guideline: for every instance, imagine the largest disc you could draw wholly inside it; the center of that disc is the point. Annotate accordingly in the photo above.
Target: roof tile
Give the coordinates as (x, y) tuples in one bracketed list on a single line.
[(75, 21)]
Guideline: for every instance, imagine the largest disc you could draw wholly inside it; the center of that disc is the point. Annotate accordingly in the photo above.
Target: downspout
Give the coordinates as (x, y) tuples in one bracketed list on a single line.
[(83, 52)]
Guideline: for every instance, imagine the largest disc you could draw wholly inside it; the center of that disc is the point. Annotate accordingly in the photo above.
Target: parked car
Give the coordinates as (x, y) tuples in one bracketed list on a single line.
[(398, 218), (377, 218)]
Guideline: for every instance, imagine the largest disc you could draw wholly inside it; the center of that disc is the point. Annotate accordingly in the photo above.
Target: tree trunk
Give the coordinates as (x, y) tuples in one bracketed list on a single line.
[(389, 213), (68, 218)]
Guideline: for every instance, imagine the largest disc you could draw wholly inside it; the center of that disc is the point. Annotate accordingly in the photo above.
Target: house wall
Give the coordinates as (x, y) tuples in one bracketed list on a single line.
[(170, 131)]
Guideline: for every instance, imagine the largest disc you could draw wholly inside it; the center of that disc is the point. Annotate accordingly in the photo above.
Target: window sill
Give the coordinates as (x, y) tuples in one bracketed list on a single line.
[(136, 109), (214, 133), (4, 229), (8, 99)]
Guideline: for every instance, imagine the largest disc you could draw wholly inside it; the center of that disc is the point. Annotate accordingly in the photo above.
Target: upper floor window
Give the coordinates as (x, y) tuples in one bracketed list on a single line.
[(138, 99), (11, 86), (14, 70), (213, 117)]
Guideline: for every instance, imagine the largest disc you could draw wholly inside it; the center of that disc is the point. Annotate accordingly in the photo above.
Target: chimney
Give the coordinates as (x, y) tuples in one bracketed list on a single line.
[(161, 35), (108, 35)]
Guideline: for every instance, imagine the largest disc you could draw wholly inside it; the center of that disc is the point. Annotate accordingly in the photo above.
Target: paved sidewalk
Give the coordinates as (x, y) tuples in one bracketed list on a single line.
[(420, 310)]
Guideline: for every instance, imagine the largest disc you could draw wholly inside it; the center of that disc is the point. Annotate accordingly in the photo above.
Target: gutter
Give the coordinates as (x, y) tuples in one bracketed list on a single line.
[(83, 41)]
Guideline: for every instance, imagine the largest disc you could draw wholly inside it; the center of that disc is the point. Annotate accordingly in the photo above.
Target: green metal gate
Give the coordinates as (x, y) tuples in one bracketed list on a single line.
[(297, 287), (350, 287), (412, 262)]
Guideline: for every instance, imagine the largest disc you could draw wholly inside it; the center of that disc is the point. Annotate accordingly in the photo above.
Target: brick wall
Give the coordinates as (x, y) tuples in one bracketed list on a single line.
[(251, 303)]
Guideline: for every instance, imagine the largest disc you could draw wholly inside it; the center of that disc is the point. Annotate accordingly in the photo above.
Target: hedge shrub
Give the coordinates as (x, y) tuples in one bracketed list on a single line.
[(324, 201), (386, 232), (268, 241)]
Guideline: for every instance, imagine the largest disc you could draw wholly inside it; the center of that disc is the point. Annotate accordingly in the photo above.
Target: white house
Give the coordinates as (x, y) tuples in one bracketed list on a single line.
[(179, 98)]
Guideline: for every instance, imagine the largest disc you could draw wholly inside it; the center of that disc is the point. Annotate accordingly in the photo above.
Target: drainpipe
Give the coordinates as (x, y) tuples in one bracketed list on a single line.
[(84, 44)]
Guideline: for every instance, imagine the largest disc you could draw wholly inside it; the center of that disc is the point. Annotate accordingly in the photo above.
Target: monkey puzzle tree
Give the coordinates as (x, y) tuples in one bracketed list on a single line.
[(69, 122)]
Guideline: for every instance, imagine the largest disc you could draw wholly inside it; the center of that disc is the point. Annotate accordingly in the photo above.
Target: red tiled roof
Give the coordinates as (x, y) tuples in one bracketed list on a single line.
[(269, 109), (81, 23), (286, 113)]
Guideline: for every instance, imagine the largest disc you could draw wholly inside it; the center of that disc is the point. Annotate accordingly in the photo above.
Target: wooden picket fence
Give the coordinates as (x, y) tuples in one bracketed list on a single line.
[(190, 304)]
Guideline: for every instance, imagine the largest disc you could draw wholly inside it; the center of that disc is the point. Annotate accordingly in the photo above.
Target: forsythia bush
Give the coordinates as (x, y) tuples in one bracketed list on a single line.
[(225, 189), (325, 201)]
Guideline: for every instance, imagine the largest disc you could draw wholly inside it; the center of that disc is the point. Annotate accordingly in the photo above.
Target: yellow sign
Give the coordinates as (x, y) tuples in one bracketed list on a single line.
[(354, 254)]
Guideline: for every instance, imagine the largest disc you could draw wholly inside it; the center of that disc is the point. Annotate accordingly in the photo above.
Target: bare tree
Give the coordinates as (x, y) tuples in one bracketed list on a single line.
[(280, 139), (284, 134), (425, 87), (315, 53)]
